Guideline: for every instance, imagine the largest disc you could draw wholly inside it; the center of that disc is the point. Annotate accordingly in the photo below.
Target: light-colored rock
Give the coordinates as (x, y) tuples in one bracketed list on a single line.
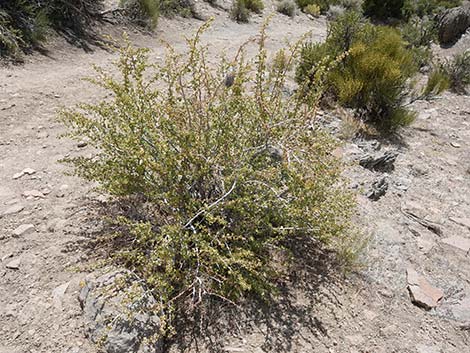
[(12, 210), (24, 229), (58, 295), (14, 264), (422, 293), (33, 194), (56, 224), (458, 242)]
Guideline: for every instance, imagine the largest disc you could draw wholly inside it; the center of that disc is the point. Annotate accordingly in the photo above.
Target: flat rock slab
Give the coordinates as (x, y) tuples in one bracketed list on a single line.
[(422, 293), (461, 221), (458, 242), (12, 210), (24, 229)]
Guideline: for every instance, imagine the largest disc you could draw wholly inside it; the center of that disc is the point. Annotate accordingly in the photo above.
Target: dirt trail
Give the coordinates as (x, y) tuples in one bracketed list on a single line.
[(39, 311)]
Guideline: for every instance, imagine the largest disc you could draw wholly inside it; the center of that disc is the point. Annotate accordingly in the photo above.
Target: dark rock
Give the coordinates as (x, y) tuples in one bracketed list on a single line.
[(379, 189), (119, 316), (453, 23), (382, 163)]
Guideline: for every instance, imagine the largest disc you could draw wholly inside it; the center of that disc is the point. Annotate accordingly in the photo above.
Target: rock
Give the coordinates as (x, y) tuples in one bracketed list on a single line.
[(4, 257), (82, 144), (58, 295), (26, 171), (14, 264), (455, 144), (461, 221), (453, 23), (461, 311), (120, 324), (33, 194), (458, 242), (379, 189), (12, 210), (24, 229), (422, 293), (382, 163)]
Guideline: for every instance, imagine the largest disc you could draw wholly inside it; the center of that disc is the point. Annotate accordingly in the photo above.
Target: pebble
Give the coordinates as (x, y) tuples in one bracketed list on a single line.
[(26, 171), (82, 144), (24, 229), (455, 145), (14, 264), (58, 295)]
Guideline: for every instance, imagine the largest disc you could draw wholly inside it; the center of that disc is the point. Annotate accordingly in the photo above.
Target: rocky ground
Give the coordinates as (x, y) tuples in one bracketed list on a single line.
[(412, 295)]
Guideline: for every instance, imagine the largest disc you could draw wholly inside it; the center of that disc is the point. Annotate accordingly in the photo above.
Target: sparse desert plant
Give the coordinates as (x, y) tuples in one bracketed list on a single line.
[(142, 12), (256, 6), (287, 7), (220, 178), (313, 10), (335, 11), (457, 70), (322, 4), (373, 77), (239, 12), (25, 24), (438, 82), (351, 5)]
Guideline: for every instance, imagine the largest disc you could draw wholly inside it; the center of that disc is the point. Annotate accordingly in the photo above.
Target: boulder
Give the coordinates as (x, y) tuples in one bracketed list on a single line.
[(118, 314), (453, 23)]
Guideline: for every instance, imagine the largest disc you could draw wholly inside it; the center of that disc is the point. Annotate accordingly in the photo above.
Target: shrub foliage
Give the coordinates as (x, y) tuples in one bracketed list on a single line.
[(24, 24), (373, 77), (226, 170)]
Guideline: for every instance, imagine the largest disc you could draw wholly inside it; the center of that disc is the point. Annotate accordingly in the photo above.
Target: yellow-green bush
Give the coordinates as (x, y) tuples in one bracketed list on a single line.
[(457, 71), (373, 77), (222, 175), (313, 10), (241, 9)]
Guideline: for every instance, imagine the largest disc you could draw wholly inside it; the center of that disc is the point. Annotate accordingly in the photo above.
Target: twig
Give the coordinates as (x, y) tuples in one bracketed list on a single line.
[(201, 211)]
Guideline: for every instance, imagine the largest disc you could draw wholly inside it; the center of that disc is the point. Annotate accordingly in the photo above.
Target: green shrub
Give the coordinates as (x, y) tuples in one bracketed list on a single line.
[(438, 82), (373, 77), (287, 7), (142, 12), (458, 72), (239, 12), (223, 178), (256, 6), (322, 4), (313, 10)]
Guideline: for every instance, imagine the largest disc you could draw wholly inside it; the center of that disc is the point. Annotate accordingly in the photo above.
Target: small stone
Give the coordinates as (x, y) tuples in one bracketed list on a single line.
[(4, 257), (458, 242), (58, 295), (421, 291), (455, 145), (18, 175), (82, 144), (12, 210), (24, 229), (33, 194), (14, 264), (29, 171)]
